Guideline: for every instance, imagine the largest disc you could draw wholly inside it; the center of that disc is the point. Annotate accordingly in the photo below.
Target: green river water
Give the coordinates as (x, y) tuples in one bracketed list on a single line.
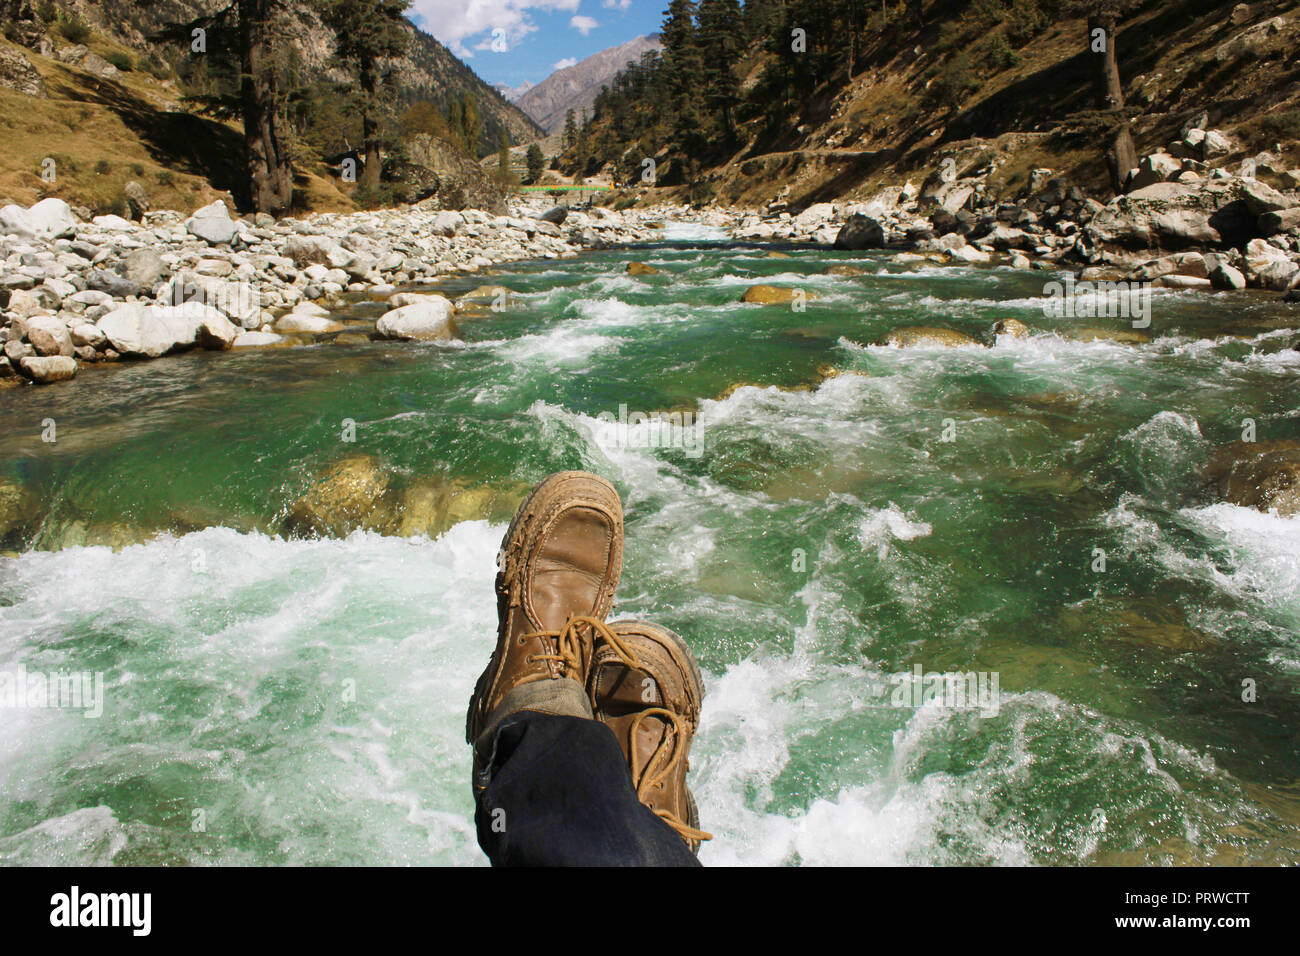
[(279, 700)]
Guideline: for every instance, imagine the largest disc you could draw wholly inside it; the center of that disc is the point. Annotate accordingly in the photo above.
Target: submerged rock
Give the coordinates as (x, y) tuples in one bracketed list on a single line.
[(480, 299), (924, 336), (347, 495), (432, 507), (775, 295), (1263, 475), (18, 508), (642, 269), (844, 269), (351, 338), (1123, 336)]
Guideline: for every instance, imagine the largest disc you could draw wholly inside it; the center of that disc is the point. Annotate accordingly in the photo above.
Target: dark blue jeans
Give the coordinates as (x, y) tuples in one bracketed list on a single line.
[(556, 791)]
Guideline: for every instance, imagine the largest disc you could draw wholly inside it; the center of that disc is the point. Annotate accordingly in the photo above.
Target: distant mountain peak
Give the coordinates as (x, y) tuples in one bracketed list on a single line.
[(512, 93), (575, 87)]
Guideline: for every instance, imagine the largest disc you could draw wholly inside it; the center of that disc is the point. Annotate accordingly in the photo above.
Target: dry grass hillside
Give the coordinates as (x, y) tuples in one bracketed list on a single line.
[(965, 88), (103, 133)]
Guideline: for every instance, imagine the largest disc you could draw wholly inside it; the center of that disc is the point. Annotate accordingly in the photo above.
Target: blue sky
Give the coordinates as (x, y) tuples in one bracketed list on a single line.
[(517, 41)]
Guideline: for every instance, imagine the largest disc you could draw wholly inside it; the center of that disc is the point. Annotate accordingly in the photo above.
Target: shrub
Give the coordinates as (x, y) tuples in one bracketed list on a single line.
[(121, 60), (953, 81), (74, 29), (997, 55), (103, 167), (165, 178), (1025, 21)]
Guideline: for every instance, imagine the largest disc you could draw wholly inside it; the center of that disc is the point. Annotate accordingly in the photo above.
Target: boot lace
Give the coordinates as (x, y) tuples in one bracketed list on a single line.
[(569, 645), (668, 754)]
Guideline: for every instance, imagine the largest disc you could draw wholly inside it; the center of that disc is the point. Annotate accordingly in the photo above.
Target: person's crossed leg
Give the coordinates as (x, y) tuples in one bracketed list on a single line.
[(581, 729)]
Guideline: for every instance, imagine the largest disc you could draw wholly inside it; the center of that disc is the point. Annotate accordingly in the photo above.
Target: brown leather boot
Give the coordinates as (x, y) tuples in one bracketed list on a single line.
[(653, 706), (559, 566)]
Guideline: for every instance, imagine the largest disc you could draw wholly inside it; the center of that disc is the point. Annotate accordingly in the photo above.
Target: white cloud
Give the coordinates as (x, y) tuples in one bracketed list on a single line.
[(617, 5), (454, 22), (583, 24), (567, 62)]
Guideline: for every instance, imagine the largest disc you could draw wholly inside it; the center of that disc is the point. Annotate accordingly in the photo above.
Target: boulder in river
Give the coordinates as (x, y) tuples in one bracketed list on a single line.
[(213, 331), (860, 232), (142, 331), (1222, 274), (45, 369), (427, 320), (1263, 475), (775, 295), (641, 269), (927, 337), (305, 324), (432, 507), (259, 340), (1012, 328)]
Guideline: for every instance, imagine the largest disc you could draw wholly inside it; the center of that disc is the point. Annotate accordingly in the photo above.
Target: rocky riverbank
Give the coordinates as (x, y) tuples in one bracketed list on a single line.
[(1195, 215), (77, 290)]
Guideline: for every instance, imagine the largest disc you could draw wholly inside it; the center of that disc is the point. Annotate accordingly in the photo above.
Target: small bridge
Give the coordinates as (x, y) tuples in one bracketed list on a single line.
[(575, 194)]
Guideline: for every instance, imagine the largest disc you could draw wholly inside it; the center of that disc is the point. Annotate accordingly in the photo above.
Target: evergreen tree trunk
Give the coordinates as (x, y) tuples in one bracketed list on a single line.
[(270, 179), (1121, 154), (369, 178)]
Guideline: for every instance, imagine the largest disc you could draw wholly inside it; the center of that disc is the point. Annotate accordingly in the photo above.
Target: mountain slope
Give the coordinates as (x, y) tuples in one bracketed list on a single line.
[(1009, 86), (575, 87), (428, 67)]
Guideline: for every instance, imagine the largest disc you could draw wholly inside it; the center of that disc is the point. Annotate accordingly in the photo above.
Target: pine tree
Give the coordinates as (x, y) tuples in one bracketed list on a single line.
[(570, 130), (720, 38), (503, 155), (471, 124), (456, 123), (535, 161), (366, 32), (240, 76), (684, 75)]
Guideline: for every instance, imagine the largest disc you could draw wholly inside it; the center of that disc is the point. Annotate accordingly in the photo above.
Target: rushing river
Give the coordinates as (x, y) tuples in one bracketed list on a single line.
[(1033, 512)]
